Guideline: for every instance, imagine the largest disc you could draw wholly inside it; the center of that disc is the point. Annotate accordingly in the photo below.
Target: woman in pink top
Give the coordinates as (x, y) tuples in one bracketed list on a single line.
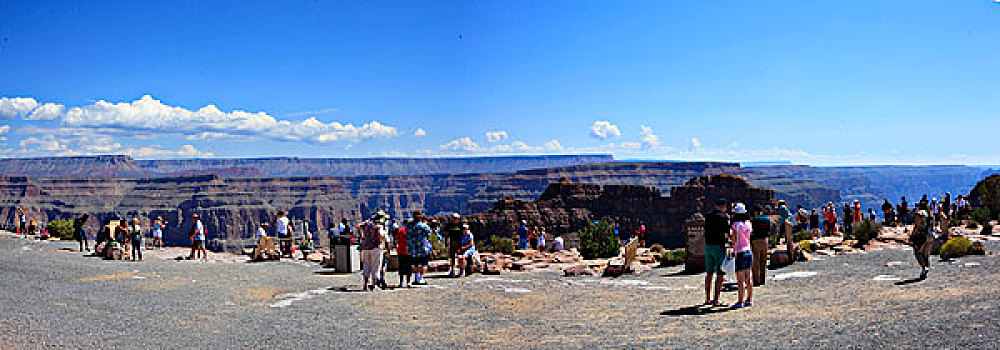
[(744, 257)]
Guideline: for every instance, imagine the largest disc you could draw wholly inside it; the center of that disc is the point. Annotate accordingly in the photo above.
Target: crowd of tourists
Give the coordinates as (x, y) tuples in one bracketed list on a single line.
[(739, 238)]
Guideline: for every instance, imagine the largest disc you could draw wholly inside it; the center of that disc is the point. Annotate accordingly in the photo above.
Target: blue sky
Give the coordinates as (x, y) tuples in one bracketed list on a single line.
[(813, 82)]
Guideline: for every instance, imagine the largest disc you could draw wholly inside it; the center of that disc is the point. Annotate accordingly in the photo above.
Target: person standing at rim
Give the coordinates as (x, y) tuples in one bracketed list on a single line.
[(904, 211), (761, 226), (857, 215), (716, 230), (158, 226), (371, 254), (80, 233), (848, 218), (522, 235), (921, 238), (784, 223), (831, 219), (741, 231), (22, 222), (453, 230), (813, 224), (283, 228), (197, 236), (135, 231), (418, 244), (403, 255), (887, 213)]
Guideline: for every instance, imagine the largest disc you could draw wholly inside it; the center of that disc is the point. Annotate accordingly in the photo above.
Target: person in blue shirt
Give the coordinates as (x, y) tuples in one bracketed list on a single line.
[(522, 235), (419, 246), (197, 238)]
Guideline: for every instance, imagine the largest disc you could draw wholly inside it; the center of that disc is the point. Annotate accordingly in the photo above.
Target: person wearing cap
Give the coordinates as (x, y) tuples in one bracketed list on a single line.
[(466, 252), (784, 224), (371, 255), (522, 235), (197, 238), (540, 237), (740, 238), (419, 246), (761, 225), (923, 235), (717, 228)]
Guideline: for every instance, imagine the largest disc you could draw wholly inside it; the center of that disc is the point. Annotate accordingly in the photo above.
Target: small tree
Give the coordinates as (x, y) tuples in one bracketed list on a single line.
[(598, 241), (981, 215), (63, 229)]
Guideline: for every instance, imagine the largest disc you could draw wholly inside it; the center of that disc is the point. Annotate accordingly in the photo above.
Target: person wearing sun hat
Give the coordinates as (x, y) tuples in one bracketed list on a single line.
[(740, 237)]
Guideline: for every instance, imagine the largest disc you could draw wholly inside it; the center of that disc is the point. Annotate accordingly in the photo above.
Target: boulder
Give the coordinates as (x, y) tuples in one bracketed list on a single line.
[(977, 248), (521, 264), (780, 258), (579, 270), (614, 270)]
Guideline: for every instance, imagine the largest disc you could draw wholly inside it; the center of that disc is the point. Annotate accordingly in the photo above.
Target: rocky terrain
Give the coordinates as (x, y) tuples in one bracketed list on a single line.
[(125, 166), (56, 297), (231, 206)]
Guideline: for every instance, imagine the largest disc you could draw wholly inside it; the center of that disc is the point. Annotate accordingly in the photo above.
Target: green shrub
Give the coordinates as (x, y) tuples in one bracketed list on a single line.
[(499, 245), (806, 246), (987, 230), (62, 229), (981, 215), (598, 241), (440, 249), (955, 247), (803, 235), (972, 225), (673, 257), (866, 230)]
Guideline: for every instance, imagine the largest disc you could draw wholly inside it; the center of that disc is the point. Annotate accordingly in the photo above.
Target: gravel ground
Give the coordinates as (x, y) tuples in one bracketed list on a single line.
[(53, 297)]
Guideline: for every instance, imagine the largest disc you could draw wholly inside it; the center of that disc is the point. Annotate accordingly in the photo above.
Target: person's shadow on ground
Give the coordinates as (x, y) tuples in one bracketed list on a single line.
[(909, 281), (697, 310)]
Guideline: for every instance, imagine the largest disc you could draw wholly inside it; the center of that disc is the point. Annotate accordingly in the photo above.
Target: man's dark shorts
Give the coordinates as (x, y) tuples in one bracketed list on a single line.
[(199, 243), (419, 260), (405, 265)]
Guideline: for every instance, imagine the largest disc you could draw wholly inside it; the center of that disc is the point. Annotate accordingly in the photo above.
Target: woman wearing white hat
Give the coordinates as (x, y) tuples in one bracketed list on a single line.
[(744, 256)]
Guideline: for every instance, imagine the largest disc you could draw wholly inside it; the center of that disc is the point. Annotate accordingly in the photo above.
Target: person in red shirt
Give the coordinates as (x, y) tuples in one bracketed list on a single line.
[(405, 265)]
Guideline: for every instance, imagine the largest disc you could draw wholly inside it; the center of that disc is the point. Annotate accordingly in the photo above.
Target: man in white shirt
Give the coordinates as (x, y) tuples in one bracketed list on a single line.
[(283, 228)]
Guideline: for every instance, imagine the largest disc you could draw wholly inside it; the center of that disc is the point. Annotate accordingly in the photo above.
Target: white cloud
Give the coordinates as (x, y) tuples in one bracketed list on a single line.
[(16, 107), (420, 132), (496, 136), (464, 144), (312, 113), (695, 144), (48, 111), (148, 114), (217, 136), (4, 129), (604, 130), (649, 139), (553, 145)]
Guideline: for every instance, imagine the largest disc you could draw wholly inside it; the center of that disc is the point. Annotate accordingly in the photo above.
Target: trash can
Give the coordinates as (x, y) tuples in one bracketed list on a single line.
[(346, 256)]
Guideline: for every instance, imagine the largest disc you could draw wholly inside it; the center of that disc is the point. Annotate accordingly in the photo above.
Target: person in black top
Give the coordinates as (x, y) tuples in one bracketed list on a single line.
[(761, 225), (80, 233), (454, 234), (887, 212), (904, 211), (716, 231)]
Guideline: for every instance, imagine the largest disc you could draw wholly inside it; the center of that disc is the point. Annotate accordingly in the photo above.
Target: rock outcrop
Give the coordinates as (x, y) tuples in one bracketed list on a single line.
[(568, 207)]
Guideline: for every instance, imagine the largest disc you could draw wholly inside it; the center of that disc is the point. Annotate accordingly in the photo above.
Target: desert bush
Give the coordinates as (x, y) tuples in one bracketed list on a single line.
[(806, 246), (673, 257), (62, 229), (499, 245), (972, 225), (657, 248), (440, 248), (955, 247), (981, 215), (866, 230), (598, 241), (803, 235), (987, 230)]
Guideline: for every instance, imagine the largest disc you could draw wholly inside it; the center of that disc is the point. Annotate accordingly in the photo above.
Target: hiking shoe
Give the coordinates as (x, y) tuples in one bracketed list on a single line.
[(717, 303), (420, 283), (737, 306), (923, 274), (451, 273), (748, 304)]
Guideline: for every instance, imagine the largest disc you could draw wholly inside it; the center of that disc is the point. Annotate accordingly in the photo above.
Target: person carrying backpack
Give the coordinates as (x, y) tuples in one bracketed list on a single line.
[(371, 254), (761, 225), (920, 239)]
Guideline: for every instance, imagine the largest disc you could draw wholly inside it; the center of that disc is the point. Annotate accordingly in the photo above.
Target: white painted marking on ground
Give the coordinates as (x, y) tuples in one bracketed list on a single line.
[(971, 264), (495, 279), (626, 282), (517, 290), (886, 278), (895, 263), (290, 298), (796, 274), (138, 277)]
